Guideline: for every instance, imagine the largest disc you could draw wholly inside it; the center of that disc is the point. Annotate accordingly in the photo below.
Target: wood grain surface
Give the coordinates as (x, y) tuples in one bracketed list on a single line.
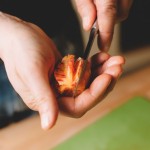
[(28, 135)]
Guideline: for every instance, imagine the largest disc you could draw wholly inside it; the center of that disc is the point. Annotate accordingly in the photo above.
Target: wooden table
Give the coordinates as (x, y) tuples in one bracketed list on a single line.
[(28, 135)]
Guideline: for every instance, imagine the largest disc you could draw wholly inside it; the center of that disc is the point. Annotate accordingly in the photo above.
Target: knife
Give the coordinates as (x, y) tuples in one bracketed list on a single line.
[(93, 33)]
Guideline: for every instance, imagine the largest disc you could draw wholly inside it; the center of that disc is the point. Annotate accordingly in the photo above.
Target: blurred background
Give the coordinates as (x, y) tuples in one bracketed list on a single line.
[(132, 40), (131, 37), (122, 126)]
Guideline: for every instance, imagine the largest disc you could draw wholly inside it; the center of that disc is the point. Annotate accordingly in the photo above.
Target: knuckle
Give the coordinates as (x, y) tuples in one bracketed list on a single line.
[(75, 112), (34, 102), (85, 8), (118, 71), (123, 16), (110, 9), (80, 5)]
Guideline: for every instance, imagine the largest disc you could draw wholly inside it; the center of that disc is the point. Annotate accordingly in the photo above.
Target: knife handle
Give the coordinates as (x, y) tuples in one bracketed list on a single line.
[(92, 35)]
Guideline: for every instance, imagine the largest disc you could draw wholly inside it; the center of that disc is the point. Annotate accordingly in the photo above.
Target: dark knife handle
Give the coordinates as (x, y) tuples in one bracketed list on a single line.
[(92, 35)]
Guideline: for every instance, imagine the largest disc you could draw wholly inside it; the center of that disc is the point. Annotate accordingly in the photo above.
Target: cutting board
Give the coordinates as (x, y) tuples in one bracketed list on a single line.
[(125, 128)]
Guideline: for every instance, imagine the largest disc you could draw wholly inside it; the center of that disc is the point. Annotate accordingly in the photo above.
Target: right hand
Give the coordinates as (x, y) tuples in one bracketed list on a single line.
[(107, 12)]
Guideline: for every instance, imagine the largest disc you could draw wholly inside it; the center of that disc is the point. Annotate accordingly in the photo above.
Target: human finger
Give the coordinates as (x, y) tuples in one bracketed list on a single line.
[(106, 15), (98, 59), (87, 11), (112, 61), (123, 9), (32, 84), (115, 62), (85, 101)]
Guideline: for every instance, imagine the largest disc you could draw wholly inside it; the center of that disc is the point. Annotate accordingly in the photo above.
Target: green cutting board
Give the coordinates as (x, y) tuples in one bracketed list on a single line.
[(125, 128)]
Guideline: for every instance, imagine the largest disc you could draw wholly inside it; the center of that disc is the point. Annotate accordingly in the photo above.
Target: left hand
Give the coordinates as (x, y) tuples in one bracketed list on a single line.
[(105, 72)]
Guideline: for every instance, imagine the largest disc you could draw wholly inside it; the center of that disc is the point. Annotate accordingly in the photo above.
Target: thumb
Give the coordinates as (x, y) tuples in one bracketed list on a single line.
[(48, 110), (33, 86), (44, 100), (87, 11)]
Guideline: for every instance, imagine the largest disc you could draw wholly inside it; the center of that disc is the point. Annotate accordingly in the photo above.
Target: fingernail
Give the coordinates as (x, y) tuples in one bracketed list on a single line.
[(86, 22), (45, 121)]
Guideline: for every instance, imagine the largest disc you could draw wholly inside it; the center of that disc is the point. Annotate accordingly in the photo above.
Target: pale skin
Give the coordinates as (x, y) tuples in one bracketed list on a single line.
[(107, 12), (30, 55)]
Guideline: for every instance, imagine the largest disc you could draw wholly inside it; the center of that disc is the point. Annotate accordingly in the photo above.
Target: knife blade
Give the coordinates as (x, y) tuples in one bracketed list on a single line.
[(93, 33)]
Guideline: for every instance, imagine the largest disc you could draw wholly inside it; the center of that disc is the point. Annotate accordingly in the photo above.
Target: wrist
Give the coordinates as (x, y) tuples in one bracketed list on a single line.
[(6, 33)]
